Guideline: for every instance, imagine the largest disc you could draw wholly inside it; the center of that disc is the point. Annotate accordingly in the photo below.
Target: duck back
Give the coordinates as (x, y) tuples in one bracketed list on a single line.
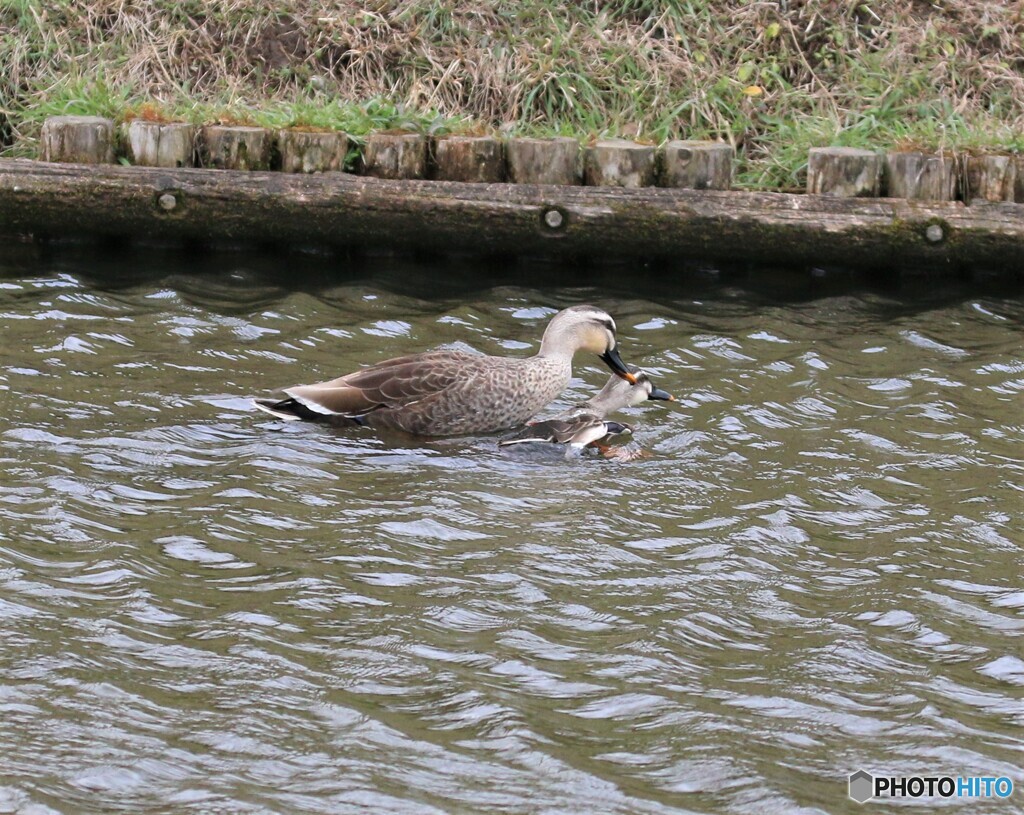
[(482, 394)]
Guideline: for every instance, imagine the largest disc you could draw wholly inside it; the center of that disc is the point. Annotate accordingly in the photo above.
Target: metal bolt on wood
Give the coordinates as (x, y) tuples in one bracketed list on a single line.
[(554, 219)]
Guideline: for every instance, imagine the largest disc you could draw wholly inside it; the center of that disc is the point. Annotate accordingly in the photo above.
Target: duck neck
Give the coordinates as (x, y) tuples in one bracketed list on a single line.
[(605, 401), (555, 344), (615, 395)]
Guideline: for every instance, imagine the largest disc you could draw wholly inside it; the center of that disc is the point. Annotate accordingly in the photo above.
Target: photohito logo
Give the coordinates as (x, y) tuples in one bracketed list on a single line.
[(864, 786)]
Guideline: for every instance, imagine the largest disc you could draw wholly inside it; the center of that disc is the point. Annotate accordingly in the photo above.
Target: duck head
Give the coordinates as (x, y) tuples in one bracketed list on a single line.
[(619, 393), (585, 328), (653, 391)]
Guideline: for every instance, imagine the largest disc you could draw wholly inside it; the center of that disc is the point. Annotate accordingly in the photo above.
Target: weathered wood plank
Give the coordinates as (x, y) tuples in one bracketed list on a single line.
[(555, 221)]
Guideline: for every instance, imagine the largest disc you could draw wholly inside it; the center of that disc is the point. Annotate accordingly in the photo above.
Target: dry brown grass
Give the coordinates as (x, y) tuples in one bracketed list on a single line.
[(773, 78)]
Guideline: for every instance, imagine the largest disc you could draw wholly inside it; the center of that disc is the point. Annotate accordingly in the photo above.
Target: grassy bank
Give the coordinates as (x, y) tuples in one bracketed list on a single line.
[(773, 78)]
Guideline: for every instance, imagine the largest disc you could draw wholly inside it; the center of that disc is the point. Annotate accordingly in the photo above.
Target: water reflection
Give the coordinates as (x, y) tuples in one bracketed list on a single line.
[(207, 610)]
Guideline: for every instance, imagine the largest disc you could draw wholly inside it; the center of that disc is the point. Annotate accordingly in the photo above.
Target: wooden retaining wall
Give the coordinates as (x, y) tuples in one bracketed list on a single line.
[(612, 199)]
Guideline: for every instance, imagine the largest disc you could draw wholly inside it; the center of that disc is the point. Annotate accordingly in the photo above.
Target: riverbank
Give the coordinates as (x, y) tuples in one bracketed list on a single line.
[(819, 234), (771, 79)]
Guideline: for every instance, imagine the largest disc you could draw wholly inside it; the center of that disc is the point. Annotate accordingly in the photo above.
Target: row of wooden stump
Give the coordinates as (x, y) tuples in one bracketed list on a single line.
[(837, 171), (480, 159)]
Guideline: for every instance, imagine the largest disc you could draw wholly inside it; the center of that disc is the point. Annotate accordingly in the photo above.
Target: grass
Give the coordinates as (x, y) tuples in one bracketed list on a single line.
[(772, 78)]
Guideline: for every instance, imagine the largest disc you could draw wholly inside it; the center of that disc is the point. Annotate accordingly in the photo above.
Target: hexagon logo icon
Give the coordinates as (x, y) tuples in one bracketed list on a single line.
[(861, 786)]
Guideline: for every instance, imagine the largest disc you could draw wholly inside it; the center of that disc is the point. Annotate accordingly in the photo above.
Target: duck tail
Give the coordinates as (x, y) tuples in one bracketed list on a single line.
[(532, 433), (288, 409), (526, 440), (292, 410)]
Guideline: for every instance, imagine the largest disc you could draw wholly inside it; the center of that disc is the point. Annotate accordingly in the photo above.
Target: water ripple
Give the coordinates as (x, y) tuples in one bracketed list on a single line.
[(814, 568)]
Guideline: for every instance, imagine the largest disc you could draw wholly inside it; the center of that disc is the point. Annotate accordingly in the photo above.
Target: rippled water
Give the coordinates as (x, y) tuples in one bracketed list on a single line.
[(203, 610)]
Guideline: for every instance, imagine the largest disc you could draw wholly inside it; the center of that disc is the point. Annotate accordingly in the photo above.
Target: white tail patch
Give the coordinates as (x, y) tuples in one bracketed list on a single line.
[(288, 417), (531, 439)]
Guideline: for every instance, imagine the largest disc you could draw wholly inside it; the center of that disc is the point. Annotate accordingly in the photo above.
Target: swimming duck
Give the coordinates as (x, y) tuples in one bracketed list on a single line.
[(448, 392), (585, 423)]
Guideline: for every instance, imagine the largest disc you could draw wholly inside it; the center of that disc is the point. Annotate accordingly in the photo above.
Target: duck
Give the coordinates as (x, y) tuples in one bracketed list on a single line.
[(456, 392), (586, 423)]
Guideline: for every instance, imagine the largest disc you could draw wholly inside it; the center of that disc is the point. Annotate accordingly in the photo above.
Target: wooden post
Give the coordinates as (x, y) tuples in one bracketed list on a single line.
[(544, 161), (160, 144), (619, 163), (844, 171), (308, 152), (988, 178), (921, 176), (476, 159), (78, 140), (395, 155), (697, 165), (224, 147), (1018, 181)]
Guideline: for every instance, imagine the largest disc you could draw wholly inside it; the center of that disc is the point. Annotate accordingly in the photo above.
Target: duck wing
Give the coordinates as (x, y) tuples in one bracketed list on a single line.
[(581, 429), (393, 383)]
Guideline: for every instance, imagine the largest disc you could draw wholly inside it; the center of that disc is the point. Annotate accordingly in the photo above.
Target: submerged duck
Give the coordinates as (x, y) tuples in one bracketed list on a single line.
[(446, 393), (586, 424)]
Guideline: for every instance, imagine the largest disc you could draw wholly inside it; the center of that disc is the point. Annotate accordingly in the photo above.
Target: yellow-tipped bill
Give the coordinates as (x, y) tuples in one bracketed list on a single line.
[(614, 361)]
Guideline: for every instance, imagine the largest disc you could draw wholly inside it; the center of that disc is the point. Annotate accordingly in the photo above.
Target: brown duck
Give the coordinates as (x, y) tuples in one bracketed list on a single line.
[(586, 423), (447, 393)]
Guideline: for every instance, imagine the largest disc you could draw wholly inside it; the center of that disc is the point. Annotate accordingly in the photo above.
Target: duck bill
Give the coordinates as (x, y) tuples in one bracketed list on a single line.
[(658, 393), (612, 359)]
